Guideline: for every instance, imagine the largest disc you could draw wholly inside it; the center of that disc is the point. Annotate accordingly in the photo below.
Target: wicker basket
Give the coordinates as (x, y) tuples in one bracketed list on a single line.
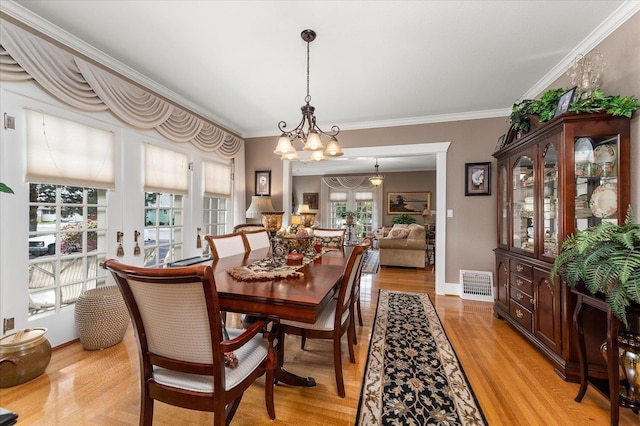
[(101, 317)]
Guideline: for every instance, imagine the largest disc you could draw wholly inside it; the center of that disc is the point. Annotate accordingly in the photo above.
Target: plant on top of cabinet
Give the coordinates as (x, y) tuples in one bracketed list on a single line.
[(606, 258)]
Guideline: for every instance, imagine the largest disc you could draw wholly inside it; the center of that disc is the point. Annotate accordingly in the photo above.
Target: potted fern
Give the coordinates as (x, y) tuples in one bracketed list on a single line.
[(403, 219), (606, 260)]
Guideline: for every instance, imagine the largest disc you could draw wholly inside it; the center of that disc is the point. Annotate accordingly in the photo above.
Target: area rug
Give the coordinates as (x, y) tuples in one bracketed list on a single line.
[(371, 262), (413, 376)]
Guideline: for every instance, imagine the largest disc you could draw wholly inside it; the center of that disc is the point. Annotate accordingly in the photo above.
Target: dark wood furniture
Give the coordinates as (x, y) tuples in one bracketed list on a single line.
[(608, 384), (546, 182), (161, 303), (336, 319), (291, 299)]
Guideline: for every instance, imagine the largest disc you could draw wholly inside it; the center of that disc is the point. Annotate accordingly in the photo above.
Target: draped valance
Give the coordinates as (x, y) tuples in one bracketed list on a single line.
[(85, 86), (350, 182)]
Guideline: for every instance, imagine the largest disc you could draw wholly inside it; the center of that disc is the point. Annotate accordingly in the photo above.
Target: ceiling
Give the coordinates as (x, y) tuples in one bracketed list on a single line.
[(242, 64)]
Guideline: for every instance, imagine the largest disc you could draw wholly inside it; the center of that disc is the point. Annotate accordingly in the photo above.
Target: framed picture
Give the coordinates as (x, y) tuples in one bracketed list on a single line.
[(564, 102), (310, 198), (263, 182), (477, 179), (500, 143), (408, 202)]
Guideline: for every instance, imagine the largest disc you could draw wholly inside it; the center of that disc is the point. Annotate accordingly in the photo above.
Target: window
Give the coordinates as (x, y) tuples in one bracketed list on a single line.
[(359, 201), (217, 191), (67, 242), (162, 228), (70, 167)]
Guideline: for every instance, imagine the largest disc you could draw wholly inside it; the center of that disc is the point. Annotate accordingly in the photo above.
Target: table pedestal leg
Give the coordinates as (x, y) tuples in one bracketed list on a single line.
[(284, 376)]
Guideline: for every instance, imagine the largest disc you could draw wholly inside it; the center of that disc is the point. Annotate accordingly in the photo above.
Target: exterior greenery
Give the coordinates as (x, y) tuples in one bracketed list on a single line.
[(606, 259), (403, 218)]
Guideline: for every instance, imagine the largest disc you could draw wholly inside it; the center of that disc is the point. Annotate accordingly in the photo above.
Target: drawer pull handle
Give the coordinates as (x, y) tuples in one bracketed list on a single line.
[(519, 282), (519, 268), (519, 313), (519, 296), (533, 301)]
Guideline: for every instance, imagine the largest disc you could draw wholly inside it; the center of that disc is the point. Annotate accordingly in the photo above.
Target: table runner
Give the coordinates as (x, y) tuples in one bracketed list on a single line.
[(263, 270)]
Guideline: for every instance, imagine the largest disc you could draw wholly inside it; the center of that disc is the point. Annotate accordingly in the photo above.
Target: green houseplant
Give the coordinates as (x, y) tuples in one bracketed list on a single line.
[(5, 188), (348, 215), (403, 219), (606, 259)]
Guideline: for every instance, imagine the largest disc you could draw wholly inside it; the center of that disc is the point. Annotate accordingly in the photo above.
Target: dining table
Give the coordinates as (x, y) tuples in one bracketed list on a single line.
[(300, 298)]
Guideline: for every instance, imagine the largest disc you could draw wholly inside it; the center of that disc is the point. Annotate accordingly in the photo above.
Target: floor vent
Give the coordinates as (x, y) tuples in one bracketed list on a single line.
[(477, 285)]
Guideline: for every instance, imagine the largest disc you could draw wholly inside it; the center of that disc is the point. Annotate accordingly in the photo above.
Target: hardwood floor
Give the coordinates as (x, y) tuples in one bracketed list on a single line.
[(514, 384)]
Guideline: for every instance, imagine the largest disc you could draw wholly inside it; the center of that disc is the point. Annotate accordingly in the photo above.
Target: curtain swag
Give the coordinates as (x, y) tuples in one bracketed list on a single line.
[(76, 82), (350, 182)]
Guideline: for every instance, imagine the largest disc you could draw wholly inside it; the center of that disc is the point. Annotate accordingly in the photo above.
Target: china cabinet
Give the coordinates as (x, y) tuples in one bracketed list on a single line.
[(566, 175)]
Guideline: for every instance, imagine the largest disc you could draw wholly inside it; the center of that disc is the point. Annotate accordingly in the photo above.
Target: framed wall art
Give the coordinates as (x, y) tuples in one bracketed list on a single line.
[(564, 102), (477, 179), (408, 202), (263, 182), (310, 198)]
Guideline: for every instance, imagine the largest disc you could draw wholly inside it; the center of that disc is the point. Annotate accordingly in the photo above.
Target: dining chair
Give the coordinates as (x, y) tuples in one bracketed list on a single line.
[(183, 344), (335, 319), (226, 245), (254, 240), (330, 237), (357, 309)]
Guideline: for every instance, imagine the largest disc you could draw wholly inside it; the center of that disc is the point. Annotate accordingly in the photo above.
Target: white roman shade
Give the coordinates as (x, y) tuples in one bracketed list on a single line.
[(364, 196), (338, 196), (165, 170), (64, 152), (217, 179)]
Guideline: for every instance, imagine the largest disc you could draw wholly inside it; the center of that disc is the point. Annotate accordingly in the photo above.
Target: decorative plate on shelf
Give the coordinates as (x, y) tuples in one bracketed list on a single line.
[(583, 151), (604, 154), (604, 200)]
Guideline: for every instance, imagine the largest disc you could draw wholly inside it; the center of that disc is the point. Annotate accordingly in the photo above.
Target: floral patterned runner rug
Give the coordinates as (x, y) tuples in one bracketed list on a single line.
[(371, 262), (413, 376)]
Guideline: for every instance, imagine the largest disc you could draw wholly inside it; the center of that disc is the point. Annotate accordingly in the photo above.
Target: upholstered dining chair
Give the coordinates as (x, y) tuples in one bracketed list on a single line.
[(330, 237), (254, 240), (357, 309), (335, 319), (226, 245), (183, 346)]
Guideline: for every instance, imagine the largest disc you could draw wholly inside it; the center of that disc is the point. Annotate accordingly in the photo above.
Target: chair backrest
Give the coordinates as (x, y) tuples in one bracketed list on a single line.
[(165, 303), (352, 272), (226, 245), (254, 240), (330, 237)]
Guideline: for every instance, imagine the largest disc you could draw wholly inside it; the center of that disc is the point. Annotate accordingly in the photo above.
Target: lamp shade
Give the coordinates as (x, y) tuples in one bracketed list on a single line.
[(303, 208), (426, 213), (258, 205)]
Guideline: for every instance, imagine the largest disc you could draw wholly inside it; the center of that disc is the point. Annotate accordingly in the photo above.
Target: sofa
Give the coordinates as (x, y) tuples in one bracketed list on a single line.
[(402, 245)]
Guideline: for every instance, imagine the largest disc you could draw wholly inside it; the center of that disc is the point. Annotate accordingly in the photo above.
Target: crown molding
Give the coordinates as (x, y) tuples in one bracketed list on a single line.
[(608, 26)]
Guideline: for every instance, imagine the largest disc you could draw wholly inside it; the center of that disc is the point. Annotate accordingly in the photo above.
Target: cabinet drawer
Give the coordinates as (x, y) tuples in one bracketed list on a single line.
[(521, 269), (522, 284), (520, 314), (522, 298)]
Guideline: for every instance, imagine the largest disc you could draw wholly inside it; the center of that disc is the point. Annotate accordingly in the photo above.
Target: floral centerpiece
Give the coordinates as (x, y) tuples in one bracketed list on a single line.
[(296, 238)]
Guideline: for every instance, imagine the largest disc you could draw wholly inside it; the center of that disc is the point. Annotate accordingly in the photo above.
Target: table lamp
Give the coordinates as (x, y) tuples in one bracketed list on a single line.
[(426, 214), (307, 217), (272, 222)]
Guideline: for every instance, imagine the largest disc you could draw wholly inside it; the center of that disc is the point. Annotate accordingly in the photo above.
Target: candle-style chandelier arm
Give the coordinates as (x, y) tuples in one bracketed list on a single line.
[(307, 130)]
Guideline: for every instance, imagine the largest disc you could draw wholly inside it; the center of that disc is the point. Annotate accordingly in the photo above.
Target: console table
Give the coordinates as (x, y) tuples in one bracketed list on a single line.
[(608, 386)]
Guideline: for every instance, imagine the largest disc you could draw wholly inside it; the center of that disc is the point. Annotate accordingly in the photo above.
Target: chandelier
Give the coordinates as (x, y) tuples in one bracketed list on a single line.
[(377, 179), (307, 131)]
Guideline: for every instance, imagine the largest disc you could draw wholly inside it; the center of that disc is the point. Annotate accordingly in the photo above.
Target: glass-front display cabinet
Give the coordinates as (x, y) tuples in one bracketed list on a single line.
[(568, 174)]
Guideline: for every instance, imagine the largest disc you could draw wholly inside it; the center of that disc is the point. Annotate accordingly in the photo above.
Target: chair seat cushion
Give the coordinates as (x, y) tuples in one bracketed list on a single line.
[(325, 320), (249, 357)]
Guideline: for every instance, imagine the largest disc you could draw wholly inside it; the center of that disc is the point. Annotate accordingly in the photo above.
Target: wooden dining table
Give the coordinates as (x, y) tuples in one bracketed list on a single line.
[(296, 299)]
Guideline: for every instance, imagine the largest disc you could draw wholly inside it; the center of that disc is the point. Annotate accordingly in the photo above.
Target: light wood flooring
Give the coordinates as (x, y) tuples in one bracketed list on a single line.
[(514, 384)]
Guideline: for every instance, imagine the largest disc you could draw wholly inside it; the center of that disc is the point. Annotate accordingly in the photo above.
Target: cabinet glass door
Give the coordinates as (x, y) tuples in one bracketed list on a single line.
[(523, 237), (503, 211), (550, 206), (596, 198)]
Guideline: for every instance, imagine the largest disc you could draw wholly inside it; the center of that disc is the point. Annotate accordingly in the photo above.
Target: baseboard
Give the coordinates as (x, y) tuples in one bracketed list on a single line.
[(452, 289)]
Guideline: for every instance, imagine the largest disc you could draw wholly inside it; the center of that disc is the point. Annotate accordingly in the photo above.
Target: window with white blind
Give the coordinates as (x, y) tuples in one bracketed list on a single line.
[(70, 167), (360, 202), (217, 195), (166, 181)]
